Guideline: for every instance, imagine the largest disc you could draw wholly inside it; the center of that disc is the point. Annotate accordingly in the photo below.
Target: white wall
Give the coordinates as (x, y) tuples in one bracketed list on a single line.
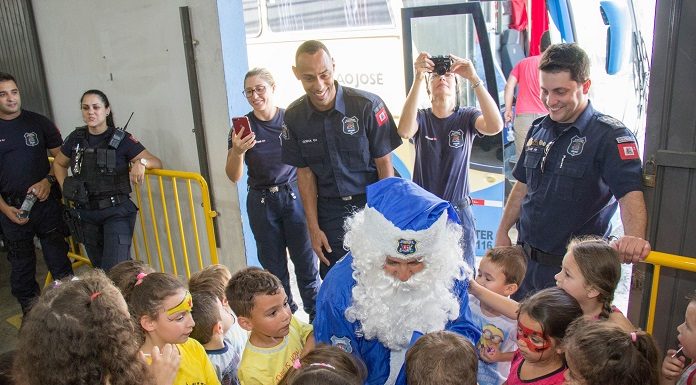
[(133, 51)]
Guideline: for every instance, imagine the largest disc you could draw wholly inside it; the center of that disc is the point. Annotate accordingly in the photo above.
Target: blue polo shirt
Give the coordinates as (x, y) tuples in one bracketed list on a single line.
[(340, 145), (23, 144), (574, 175), (443, 151), (264, 166)]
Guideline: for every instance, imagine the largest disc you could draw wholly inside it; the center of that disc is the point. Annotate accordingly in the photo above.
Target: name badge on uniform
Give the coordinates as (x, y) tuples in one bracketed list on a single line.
[(456, 138), (350, 125), (576, 145)]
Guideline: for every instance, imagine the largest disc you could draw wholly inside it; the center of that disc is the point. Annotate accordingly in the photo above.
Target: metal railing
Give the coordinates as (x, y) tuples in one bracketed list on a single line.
[(181, 239), (659, 260)]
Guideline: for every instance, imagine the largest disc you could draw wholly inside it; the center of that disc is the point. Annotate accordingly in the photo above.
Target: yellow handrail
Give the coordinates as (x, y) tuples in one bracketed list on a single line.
[(660, 259)]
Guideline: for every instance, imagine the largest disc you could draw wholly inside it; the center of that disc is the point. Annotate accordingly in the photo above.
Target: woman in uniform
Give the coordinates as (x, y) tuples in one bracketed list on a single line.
[(273, 203), (104, 160)]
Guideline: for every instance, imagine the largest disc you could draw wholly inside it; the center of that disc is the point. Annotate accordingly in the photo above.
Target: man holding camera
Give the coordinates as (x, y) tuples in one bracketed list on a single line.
[(444, 133), (340, 139), (24, 138)]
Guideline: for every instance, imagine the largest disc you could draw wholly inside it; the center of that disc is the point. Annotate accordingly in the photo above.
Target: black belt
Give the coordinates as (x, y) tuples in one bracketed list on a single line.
[(464, 203), (272, 189), (103, 203), (541, 257), (346, 198)]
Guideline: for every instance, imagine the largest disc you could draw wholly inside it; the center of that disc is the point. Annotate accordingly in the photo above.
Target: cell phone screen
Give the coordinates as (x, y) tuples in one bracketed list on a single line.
[(241, 124)]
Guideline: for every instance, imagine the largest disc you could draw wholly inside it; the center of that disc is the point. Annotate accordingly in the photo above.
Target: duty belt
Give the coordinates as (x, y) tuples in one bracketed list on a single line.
[(103, 203), (272, 189), (542, 257), (346, 198)]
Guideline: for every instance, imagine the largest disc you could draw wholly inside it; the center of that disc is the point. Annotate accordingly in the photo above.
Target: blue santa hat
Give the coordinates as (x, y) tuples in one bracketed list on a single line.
[(407, 205)]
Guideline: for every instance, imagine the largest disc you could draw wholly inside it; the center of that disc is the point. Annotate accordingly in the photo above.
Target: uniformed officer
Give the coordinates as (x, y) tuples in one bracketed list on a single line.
[(576, 164), (24, 138), (340, 139), (443, 136), (99, 155), (275, 210)]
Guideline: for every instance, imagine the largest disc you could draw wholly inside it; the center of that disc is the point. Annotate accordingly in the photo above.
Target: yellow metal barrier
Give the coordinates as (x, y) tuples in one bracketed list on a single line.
[(658, 260), (155, 224)]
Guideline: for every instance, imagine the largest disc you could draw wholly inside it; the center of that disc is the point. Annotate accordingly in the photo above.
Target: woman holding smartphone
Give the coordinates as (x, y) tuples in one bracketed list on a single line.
[(104, 160), (273, 203)]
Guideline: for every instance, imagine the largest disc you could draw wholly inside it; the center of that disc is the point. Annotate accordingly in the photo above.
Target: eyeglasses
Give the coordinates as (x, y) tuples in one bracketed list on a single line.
[(260, 90), (546, 154)]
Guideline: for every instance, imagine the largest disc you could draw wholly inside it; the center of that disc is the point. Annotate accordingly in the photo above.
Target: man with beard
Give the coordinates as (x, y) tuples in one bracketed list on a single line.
[(403, 275)]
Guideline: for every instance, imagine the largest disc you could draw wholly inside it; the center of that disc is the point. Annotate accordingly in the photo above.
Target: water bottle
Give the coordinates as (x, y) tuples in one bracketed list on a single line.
[(28, 203)]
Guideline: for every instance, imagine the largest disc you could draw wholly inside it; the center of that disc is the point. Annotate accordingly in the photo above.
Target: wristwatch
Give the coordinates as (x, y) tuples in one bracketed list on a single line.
[(143, 161), (51, 179)]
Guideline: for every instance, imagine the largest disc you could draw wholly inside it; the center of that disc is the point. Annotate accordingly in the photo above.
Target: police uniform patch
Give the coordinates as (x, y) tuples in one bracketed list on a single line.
[(615, 123), (284, 133), (576, 145), (30, 139), (628, 151), (625, 139), (381, 114), (350, 125), (456, 138), (342, 343), (406, 247)]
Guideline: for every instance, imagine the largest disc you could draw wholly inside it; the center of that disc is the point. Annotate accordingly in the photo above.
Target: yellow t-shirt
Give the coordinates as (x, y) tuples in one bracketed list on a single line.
[(195, 367), (266, 366)]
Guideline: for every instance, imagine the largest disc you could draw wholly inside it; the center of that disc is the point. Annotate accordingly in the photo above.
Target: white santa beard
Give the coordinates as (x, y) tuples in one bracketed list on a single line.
[(391, 310)]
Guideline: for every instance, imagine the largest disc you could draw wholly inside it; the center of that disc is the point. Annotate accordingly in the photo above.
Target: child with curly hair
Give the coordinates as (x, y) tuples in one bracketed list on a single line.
[(80, 332)]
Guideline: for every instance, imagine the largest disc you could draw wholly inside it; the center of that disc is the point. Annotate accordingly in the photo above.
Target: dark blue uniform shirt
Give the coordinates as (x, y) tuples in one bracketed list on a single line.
[(340, 145), (443, 151), (264, 166), (23, 144), (574, 175)]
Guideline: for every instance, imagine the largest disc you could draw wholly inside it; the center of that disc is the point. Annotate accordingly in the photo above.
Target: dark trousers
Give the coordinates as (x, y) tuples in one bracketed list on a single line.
[(46, 222), (278, 222), (540, 274), (332, 212), (108, 233), (468, 240)]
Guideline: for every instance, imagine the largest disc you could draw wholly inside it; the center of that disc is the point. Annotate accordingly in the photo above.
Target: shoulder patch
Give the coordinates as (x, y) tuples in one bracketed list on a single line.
[(613, 122), (625, 139), (381, 114), (628, 151)]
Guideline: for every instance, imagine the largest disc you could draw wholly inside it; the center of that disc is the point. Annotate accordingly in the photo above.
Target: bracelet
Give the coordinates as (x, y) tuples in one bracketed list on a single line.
[(478, 83)]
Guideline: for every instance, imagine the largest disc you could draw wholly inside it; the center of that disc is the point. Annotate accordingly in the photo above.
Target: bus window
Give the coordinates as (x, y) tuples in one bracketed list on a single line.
[(302, 15), (252, 22)]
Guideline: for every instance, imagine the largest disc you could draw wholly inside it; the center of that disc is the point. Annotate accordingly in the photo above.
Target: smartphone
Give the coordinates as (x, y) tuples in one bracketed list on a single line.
[(241, 124)]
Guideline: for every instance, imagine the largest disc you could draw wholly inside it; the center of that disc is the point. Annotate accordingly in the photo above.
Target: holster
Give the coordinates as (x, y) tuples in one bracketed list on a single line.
[(72, 219), (75, 190)]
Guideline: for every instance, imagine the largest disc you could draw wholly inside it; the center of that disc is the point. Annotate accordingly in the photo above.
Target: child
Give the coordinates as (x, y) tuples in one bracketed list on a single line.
[(161, 307), (213, 321), (213, 279), (441, 358), (277, 338), (599, 353), (590, 273), (501, 271), (541, 325), (80, 332), (673, 371), (326, 364)]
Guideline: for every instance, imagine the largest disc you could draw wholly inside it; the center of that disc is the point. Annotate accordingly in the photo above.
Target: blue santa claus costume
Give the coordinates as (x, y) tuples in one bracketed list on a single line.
[(372, 315)]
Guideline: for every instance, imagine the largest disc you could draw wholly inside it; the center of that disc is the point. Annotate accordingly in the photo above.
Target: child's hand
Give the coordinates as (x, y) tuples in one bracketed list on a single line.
[(672, 367), (495, 355), (165, 364)]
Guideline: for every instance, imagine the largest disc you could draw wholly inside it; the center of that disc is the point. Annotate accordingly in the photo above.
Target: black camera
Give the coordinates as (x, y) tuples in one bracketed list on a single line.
[(442, 64)]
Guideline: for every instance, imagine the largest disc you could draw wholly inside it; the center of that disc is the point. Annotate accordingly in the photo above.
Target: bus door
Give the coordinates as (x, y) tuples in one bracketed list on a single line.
[(460, 29)]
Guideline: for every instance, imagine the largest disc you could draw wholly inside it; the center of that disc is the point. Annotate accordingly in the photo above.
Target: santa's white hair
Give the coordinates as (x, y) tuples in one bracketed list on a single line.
[(388, 309)]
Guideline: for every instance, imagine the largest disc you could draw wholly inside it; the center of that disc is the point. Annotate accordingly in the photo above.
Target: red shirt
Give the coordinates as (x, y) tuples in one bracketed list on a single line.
[(557, 377), (527, 74)]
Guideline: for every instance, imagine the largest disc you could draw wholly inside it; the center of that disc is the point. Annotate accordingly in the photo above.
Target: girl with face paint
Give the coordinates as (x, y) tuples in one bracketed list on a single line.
[(541, 325)]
